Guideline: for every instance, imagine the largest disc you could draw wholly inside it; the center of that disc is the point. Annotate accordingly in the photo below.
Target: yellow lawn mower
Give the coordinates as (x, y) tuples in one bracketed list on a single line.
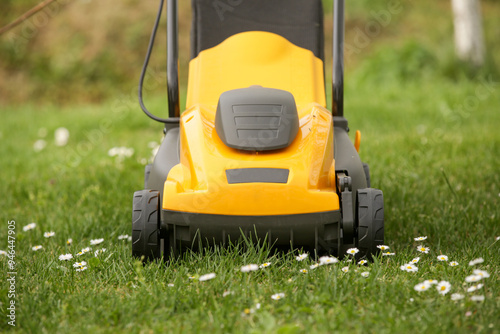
[(256, 153)]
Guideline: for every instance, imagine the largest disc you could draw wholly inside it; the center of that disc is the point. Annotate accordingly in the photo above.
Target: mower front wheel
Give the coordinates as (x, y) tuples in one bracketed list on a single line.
[(370, 221), (146, 225)]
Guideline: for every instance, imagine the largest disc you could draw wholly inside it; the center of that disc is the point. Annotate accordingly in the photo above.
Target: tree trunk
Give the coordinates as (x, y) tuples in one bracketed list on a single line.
[(469, 39)]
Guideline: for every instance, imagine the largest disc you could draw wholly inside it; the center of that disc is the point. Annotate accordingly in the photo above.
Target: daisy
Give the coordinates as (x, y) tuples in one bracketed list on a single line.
[(477, 298), (39, 145), (81, 268), (423, 249), (61, 136), (474, 288), (35, 248), (249, 267), (415, 260), (49, 234), (170, 285), (302, 257), (388, 254), (442, 258), (443, 287), (453, 263), (473, 278), (79, 264), (410, 267), (278, 296), (352, 251), (265, 265), (345, 269), (365, 274), (86, 250), (227, 293), (99, 251), (206, 277), (123, 237), (457, 296), (2, 252), (314, 266), (96, 241), (327, 260), (476, 261), (65, 257), (29, 227), (421, 287), (420, 238), (362, 262), (304, 271), (482, 273), (69, 241), (431, 281), (383, 247)]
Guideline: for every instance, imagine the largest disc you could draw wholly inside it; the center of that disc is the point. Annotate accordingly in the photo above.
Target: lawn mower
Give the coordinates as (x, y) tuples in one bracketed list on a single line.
[(256, 154)]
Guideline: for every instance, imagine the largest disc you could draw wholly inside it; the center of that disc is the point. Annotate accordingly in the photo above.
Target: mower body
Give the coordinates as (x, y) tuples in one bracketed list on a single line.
[(256, 153)]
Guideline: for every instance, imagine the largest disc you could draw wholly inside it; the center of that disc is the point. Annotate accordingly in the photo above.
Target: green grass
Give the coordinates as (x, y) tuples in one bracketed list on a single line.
[(433, 148)]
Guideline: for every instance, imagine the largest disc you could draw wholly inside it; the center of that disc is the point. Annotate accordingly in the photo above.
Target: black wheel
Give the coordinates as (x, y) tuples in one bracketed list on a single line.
[(370, 221), (146, 224)]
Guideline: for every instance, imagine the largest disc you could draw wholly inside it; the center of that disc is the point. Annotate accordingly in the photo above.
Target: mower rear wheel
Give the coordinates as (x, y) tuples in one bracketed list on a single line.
[(146, 224), (370, 220)]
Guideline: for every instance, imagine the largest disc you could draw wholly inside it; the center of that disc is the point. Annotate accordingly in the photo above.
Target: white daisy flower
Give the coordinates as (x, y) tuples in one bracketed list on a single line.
[(39, 145), (475, 287), (442, 258), (421, 287), (79, 264), (457, 296), (345, 269), (314, 266), (423, 249), (302, 257), (61, 136), (123, 237), (453, 263), (129, 238), (81, 268), (69, 241), (443, 287), (207, 277), (49, 234), (86, 250), (192, 277), (170, 285), (2, 252), (65, 257), (473, 278), (476, 261), (352, 251), (278, 296), (497, 238), (99, 251), (383, 247), (265, 265), (420, 238), (482, 273), (79, 253), (249, 267), (410, 267), (477, 298), (431, 281), (35, 248), (227, 293), (362, 262), (327, 260), (96, 241), (365, 274), (304, 271), (29, 227), (388, 254), (415, 260)]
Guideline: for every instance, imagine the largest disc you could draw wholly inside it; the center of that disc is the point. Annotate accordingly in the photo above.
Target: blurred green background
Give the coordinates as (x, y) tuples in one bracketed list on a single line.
[(79, 51)]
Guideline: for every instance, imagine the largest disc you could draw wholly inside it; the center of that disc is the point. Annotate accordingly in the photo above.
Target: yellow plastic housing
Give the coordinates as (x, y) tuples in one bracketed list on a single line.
[(199, 184)]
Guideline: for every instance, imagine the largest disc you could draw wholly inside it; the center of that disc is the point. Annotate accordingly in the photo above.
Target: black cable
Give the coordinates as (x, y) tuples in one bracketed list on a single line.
[(145, 66)]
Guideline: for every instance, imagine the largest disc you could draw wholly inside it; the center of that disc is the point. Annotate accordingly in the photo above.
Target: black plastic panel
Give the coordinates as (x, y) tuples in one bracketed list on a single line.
[(257, 118), (252, 175)]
